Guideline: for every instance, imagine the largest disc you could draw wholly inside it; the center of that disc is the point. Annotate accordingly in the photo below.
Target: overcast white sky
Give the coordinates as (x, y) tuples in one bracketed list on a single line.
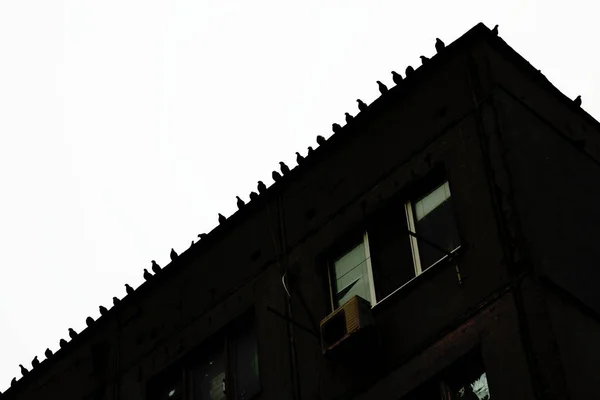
[(126, 126)]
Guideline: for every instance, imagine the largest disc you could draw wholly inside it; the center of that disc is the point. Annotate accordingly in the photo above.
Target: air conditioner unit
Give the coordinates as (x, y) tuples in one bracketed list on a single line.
[(346, 328)]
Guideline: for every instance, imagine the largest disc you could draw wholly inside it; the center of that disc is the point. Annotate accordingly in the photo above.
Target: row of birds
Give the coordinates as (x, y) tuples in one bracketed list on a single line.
[(262, 188)]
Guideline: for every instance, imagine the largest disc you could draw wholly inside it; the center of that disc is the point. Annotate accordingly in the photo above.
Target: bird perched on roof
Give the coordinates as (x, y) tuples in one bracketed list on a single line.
[(261, 187), (72, 333), (424, 59), (382, 88), (253, 196), (23, 370), (276, 176), (397, 78), (103, 310), (89, 321), (577, 101), (284, 168), (62, 343), (439, 45), (147, 275), (361, 105), (173, 254), (128, 289), (240, 202), (310, 150), (202, 236), (495, 30), (48, 353), (409, 70), (156, 268), (336, 128), (349, 118), (116, 301), (222, 218), (35, 362), (320, 140), (299, 158), (14, 380), (192, 244)]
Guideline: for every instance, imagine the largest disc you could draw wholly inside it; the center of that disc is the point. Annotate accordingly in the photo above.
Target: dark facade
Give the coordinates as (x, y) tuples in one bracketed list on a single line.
[(477, 154)]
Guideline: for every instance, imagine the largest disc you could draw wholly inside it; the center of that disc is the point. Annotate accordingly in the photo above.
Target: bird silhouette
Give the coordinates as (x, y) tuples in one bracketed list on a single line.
[(336, 128), (192, 244), (261, 187), (276, 176), (439, 45), (147, 275), (424, 59), (202, 236), (253, 196), (48, 353), (284, 168), (23, 370), (89, 321), (14, 380), (173, 254), (222, 218), (103, 310), (320, 140), (310, 150), (495, 30), (62, 343), (299, 158), (116, 301), (397, 77), (361, 105), (409, 70), (128, 289), (35, 362), (240, 202), (577, 101), (155, 267), (382, 88), (72, 333), (349, 118)]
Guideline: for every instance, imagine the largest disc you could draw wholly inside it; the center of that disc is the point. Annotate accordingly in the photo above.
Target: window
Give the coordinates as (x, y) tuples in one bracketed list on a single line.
[(351, 274), (432, 219), (226, 369)]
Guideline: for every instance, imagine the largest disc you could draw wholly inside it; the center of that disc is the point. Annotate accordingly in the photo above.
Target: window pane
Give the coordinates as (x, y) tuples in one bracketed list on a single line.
[(247, 382), (209, 375), (351, 275)]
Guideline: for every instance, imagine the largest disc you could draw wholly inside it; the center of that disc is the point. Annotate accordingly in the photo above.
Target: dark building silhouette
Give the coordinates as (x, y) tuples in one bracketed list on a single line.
[(443, 244)]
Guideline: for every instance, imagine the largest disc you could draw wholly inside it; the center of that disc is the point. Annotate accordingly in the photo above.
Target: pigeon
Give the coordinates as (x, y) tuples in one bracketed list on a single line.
[(276, 176), (382, 88), (336, 128), (349, 118), (103, 310), (424, 59), (202, 236), (495, 30), (14, 380), (156, 267), (409, 70), (128, 289), (284, 168), (62, 343), (89, 321), (72, 333), (222, 218), (310, 150), (48, 353), (23, 370), (253, 196), (240, 202), (172, 254), (361, 105), (439, 45), (320, 140), (261, 187), (35, 362), (116, 301), (396, 77), (147, 275), (577, 101), (299, 158), (192, 244)]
